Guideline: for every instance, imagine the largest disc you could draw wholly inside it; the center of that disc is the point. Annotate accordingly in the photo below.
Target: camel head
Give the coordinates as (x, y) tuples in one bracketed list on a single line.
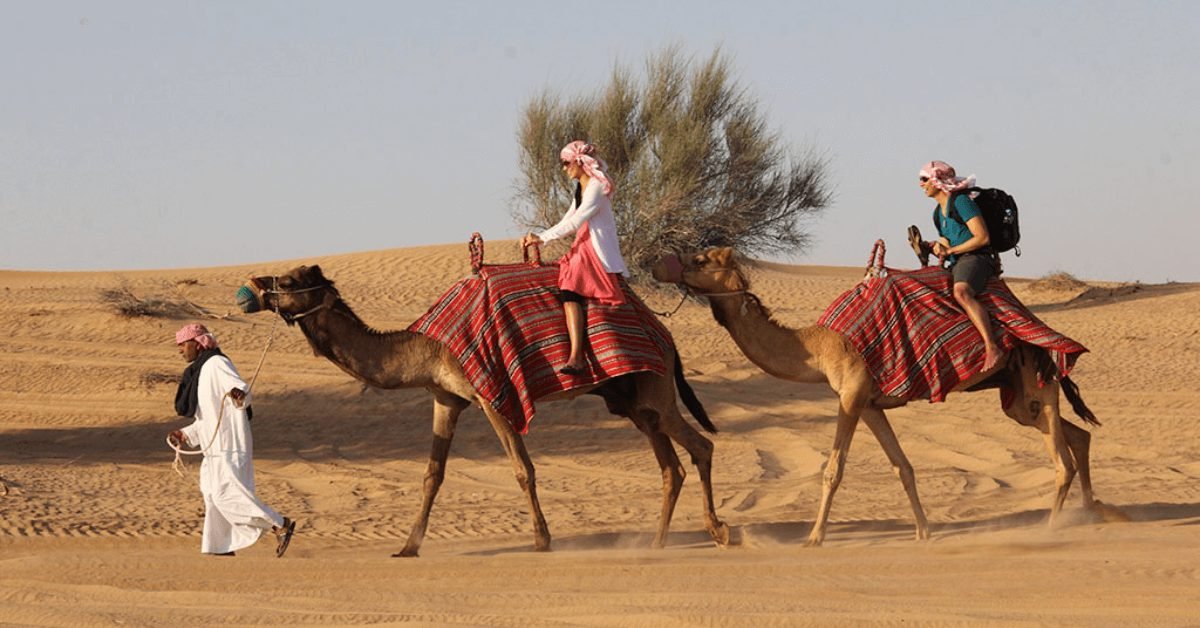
[(296, 294), (714, 271)]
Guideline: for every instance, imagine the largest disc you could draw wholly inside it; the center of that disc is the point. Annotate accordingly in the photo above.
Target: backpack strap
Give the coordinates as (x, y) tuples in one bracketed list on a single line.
[(951, 213)]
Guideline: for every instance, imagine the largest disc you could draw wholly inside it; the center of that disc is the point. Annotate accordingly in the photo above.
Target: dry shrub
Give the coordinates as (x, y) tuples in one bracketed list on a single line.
[(694, 162), (1060, 281), (130, 305), (150, 379)]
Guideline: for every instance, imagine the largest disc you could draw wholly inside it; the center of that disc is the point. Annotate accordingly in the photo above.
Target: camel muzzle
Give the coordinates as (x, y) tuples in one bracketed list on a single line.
[(669, 269)]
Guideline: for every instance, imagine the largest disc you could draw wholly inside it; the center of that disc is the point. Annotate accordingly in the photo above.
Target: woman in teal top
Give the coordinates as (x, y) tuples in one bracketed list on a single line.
[(964, 246)]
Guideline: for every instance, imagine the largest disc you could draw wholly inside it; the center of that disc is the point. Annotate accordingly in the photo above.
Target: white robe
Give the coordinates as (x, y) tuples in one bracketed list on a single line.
[(234, 518)]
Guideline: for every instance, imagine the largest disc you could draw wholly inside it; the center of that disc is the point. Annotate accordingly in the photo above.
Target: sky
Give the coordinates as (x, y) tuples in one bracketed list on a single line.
[(168, 134)]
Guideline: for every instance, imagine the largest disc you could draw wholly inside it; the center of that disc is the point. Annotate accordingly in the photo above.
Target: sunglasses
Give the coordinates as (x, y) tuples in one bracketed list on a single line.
[(567, 163), (923, 179)]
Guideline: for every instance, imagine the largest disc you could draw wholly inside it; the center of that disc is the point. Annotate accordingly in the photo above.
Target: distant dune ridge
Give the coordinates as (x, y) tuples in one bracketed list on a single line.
[(95, 528)]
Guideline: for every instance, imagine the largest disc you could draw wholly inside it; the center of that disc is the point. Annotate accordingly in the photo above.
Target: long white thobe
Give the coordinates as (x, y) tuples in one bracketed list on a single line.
[(234, 517)]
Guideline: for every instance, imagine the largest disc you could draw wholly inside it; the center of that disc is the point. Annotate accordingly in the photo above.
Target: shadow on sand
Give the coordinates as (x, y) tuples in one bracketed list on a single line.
[(862, 532)]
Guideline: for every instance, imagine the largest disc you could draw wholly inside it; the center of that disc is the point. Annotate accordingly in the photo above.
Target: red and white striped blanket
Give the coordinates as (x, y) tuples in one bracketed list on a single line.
[(507, 329), (917, 341)]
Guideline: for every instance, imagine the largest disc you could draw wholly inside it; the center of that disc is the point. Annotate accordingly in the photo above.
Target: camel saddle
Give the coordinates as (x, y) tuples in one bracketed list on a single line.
[(505, 324), (917, 341)]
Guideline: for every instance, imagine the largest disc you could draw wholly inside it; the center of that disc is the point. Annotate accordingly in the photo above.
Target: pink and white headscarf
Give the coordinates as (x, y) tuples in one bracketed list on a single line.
[(197, 332), (944, 178), (584, 154)]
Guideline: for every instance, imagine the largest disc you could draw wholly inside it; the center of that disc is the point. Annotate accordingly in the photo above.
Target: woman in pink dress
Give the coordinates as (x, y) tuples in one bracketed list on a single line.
[(592, 268)]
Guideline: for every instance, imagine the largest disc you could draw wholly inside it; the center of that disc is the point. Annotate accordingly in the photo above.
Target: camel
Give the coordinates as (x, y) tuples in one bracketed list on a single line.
[(818, 354), (403, 359)]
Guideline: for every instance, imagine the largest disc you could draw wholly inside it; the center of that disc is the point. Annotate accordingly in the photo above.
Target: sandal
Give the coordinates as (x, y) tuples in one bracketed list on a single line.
[(575, 371), (284, 536), (919, 246)]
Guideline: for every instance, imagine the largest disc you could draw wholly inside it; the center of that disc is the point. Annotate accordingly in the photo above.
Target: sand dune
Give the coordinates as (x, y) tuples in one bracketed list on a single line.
[(95, 527)]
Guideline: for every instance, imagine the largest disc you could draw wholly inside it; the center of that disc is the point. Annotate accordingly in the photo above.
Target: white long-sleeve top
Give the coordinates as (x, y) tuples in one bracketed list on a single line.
[(596, 210)]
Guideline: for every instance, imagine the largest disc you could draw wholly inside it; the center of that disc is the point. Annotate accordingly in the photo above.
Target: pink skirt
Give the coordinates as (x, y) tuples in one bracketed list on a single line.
[(581, 272)]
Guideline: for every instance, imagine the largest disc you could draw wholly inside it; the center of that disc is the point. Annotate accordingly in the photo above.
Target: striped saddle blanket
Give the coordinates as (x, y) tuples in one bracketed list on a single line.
[(507, 328), (917, 341)]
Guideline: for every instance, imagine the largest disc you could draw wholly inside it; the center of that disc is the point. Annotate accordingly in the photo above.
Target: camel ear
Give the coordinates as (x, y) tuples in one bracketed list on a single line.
[(311, 273), (723, 255)]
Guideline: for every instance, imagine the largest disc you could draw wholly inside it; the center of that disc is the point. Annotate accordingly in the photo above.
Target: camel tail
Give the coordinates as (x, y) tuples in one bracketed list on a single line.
[(690, 400), (1071, 390)]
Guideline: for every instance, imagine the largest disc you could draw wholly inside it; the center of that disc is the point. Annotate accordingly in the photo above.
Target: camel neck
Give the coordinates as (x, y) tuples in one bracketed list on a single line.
[(394, 359), (780, 351)]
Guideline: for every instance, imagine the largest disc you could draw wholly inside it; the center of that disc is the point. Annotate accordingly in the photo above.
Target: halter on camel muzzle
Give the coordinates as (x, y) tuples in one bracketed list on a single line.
[(251, 298), (673, 271)]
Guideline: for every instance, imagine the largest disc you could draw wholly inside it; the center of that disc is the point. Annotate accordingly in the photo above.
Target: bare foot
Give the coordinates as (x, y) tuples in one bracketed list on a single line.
[(992, 357)]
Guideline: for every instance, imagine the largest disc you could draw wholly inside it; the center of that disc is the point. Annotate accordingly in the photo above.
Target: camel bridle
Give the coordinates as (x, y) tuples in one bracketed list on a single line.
[(684, 270), (688, 291), (276, 290)]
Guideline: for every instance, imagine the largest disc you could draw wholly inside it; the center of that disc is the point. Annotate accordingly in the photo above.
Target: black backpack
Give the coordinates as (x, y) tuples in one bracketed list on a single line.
[(999, 214)]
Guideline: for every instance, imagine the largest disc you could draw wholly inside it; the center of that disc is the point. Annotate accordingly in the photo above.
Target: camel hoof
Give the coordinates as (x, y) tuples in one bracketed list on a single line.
[(728, 536), (811, 542), (1109, 514), (542, 546), (922, 535), (406, 553)]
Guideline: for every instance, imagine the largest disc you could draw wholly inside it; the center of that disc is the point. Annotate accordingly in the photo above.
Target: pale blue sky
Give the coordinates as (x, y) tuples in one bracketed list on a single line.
[(165, 134)]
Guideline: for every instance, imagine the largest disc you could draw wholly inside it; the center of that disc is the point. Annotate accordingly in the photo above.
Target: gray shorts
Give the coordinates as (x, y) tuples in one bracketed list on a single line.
[(974, 269)]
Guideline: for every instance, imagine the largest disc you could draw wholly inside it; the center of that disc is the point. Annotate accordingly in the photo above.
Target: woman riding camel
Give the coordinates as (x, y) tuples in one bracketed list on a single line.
[(592, 268), (964, 244)]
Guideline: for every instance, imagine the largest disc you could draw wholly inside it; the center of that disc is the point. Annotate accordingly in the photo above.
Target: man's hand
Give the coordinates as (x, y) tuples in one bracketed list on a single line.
[(941, 249), (238, 396), (177, 438)]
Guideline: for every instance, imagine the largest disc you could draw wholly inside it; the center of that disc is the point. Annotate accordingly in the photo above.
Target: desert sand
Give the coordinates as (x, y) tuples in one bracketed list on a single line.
[(96, 528)]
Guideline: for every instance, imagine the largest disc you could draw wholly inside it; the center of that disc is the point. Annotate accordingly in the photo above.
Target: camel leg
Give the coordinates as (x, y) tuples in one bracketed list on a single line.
[(849, 410), (701, 452), (877, 421), (700, 449), (1037, 406), (1079, 442), (446, 409), (514, 446), (1050, 422), (673, 475)]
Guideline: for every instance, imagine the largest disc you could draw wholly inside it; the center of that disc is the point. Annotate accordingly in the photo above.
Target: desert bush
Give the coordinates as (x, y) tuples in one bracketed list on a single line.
[(150, 379), (129, 305), (692, 158), (1058, 280)]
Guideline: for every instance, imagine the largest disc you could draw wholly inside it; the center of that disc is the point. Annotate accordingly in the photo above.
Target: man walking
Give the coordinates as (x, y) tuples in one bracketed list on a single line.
[(212, 392)]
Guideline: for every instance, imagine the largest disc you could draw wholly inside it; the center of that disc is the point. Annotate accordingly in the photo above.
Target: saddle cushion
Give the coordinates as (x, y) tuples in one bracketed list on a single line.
[(507, 328), (917, 341)]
